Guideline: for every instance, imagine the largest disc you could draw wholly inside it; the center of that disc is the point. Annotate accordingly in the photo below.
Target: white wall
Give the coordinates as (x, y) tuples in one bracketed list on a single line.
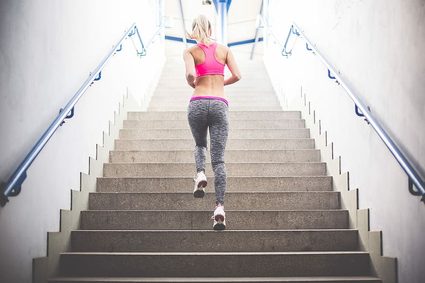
[(378, 47), (47, 50)]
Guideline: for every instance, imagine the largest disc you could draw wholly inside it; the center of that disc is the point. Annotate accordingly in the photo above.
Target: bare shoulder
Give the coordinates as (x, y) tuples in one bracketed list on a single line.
[(223, 47), (222, 52), (189, 50)]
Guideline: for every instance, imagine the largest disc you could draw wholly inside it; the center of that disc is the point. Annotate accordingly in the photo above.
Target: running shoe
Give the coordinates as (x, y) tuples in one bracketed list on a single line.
[(200, 184), (219, 218)]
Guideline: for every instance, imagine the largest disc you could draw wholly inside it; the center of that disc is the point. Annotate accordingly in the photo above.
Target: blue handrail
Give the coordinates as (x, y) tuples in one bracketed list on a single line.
[(408, 167), (13, 186)]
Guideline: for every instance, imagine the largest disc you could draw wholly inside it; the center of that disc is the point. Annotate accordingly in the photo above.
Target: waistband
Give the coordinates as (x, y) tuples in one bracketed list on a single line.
[(198, 97)]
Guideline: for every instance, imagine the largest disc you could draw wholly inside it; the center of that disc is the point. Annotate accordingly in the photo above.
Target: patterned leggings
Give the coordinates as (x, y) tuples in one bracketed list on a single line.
[(204, 114)]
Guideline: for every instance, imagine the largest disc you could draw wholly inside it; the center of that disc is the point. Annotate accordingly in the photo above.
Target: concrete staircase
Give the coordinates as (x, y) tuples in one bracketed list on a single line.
[(284, 222)]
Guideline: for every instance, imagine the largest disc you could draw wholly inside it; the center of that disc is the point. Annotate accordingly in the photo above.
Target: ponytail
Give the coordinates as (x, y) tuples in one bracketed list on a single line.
[(201, 27)]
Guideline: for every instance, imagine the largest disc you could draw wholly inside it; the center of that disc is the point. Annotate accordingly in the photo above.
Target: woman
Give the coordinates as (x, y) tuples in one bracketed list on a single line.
[(208, 108)]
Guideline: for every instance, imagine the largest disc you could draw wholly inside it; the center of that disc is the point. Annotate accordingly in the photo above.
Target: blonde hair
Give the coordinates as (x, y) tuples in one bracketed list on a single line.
[(201, 27)]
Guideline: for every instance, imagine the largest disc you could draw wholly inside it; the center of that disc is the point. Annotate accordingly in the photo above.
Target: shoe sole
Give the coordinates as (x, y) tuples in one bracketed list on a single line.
[(199, 192), (219, 225)]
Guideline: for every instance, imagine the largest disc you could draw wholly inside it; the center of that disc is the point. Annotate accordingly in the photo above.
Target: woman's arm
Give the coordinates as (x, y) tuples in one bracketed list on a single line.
[(189, 62), (233, 67)]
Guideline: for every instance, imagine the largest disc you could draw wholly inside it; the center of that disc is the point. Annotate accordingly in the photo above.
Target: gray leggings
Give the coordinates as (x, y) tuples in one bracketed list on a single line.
[(204, 114)]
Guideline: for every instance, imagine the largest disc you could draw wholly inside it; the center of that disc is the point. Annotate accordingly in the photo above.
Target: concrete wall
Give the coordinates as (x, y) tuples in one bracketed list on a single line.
[(378, 48), (47, 50)]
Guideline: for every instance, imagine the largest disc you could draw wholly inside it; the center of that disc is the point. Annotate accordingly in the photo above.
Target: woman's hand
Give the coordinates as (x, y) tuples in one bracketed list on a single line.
[(190, 80), (233, 67)]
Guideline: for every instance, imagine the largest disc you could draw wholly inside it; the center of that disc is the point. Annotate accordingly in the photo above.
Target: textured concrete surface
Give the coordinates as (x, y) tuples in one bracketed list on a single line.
[(231, 108), (234, 184), (233, 169), (229, 264), (185, 133), (320, 279), (236, 201), (189, 144), (252, 124), (210, 241), (195, 219), (185, 156), (233, 116)]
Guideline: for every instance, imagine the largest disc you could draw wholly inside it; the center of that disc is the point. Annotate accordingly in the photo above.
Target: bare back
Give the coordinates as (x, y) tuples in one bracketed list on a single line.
[(211, 85)]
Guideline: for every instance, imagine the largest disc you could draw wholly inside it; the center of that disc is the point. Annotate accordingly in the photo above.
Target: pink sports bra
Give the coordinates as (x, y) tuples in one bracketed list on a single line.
[(210, 66)]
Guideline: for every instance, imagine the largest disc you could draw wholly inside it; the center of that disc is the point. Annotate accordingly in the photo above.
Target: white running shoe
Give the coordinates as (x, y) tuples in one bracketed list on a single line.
[(219, 218), (200, 184)]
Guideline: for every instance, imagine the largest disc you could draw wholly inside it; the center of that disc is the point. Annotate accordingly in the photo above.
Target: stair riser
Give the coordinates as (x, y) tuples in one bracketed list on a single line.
[(235, 220), (234, 184), (229, 265), (234, 201), (233, 134), (250, 102), (232, 169), (281, 124), (231, 108), (233, 116), (210, 241), (231, 156), (221, 280), (234, 100), (183, 90), (235, 144)]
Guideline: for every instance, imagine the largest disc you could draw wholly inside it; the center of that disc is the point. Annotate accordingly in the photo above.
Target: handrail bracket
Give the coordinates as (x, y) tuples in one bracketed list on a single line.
[(3, 198)]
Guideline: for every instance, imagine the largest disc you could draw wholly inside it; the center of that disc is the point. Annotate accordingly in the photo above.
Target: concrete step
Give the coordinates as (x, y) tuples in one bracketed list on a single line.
[(233, 133), (233, 169), (234, 99), (206, 264), (299, 155), (232, 104), (181, 124), (231, 108), (189, 144), (260, 100), (211, 241), (234, 184), (320, 279), (201, 220), (233, 116), (234, 201), (181, 92)]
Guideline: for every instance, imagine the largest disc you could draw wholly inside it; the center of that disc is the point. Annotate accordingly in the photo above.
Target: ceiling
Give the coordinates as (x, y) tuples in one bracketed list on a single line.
[(242, 17)]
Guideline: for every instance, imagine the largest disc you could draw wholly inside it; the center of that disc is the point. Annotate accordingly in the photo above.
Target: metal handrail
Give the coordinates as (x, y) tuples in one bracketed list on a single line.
[(14, 183), (408, 167)]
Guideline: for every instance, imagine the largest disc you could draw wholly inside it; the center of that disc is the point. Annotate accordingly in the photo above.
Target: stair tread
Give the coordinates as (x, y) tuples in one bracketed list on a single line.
[(230, 177), (185, 163), (227, 192), (218, 253), (227, 210), (217, 279), (241, 150), (225, 231)]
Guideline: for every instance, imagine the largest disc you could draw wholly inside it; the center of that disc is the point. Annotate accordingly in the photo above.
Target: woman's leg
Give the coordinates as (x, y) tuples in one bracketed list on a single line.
[(219, 130), (197, 117)]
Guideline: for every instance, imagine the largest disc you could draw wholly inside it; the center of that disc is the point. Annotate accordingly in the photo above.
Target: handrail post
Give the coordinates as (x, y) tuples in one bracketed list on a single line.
[(284, 52), (143, 52)]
